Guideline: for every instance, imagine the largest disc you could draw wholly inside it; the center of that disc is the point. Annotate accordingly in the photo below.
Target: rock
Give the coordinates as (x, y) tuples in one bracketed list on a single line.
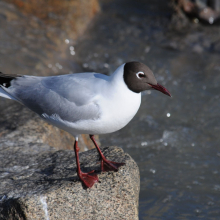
[(72, 16), (41, 44), (199, 10), (39, 182)]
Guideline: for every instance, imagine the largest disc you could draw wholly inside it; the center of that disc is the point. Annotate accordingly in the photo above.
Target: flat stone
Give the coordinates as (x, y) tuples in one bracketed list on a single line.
[(39, 182)]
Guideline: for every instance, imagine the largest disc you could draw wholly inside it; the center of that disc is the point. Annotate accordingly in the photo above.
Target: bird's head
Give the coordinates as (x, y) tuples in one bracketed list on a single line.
[(138, 77)]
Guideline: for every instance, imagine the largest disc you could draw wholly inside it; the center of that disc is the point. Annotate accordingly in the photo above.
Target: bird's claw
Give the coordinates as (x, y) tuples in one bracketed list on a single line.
[(89, 178), (107, 165)]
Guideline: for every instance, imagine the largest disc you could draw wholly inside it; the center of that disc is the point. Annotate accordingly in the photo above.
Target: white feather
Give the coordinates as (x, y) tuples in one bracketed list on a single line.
[(4, 94)]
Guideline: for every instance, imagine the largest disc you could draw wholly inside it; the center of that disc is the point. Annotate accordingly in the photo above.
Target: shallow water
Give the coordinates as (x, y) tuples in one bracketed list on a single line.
[(175, 141)]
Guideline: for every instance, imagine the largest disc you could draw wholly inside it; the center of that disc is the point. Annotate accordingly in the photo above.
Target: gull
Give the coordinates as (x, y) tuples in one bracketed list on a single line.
[(84, 103)]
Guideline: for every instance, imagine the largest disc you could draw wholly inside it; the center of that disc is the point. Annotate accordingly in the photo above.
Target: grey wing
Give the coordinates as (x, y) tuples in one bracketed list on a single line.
[(66, 96)]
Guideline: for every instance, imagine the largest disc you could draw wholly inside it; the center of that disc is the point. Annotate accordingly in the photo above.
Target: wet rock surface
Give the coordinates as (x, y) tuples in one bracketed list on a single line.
[(199, 10), (39, 182), (70, 16)]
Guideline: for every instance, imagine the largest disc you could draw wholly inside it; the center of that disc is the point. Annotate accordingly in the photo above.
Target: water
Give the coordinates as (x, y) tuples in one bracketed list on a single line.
[(175, 141), (178, 156)]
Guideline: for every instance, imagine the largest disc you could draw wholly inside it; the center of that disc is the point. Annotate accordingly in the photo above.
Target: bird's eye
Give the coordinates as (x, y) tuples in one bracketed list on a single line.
[(140, 75)]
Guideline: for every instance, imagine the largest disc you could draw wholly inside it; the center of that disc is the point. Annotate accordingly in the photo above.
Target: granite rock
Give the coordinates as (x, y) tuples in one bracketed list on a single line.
[(39, 182)]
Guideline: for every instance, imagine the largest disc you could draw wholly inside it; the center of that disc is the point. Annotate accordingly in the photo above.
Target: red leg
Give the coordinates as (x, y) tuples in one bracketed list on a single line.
[(106, 165), (87, 178)]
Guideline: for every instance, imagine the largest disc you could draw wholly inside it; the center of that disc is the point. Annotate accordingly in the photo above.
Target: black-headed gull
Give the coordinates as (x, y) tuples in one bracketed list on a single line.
[(84, 103)]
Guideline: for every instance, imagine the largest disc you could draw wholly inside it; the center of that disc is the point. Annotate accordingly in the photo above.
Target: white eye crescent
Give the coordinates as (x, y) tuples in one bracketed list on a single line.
[(140, 75)]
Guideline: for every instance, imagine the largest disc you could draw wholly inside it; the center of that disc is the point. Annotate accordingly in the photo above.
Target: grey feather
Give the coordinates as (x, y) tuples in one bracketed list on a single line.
[(69, 96)]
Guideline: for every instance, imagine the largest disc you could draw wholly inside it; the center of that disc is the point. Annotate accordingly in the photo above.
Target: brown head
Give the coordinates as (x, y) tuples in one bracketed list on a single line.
[(138, 77)]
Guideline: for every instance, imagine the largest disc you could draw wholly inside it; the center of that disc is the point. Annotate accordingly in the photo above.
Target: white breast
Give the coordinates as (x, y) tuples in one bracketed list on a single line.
[(117, 113)]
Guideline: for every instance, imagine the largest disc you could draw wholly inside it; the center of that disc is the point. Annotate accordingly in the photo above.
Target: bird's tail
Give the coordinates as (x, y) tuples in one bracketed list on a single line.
[(5, 82)]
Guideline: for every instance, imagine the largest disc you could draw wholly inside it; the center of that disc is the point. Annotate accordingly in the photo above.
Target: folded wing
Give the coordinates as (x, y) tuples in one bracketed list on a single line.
[(71, 97)]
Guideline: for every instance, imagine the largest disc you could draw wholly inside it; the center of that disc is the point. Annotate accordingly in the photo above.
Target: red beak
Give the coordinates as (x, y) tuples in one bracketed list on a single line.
[(161, 89)]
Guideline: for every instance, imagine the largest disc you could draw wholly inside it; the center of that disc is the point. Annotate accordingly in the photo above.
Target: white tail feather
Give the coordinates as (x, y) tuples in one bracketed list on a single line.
[(4, 94)]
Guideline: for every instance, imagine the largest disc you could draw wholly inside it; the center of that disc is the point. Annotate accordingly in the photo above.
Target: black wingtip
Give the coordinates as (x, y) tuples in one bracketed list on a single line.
[(5, 80)]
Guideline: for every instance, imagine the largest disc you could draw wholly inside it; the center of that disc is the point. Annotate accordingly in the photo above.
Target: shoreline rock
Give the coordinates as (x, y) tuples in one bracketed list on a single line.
[(44, 185)]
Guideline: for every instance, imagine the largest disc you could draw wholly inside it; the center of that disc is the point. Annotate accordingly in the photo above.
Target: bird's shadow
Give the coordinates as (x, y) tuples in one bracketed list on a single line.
[(47, 174)]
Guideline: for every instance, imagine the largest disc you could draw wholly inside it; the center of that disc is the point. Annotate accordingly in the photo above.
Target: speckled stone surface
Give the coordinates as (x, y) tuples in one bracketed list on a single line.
[(45, 185)]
